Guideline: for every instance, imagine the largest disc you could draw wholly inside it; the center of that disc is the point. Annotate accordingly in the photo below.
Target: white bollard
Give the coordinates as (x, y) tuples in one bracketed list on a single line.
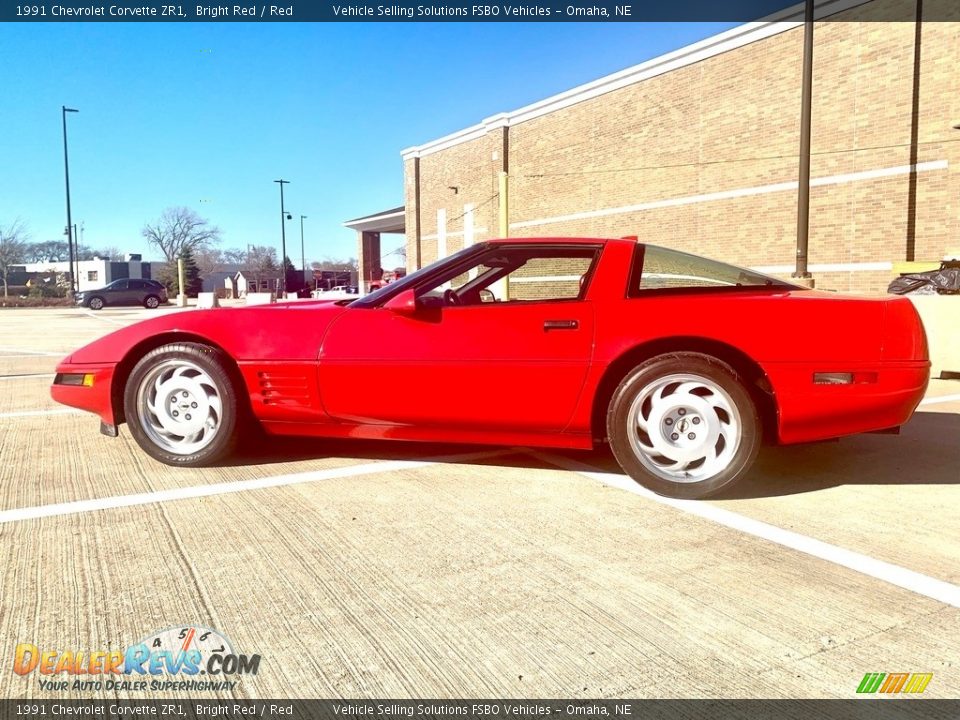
[(260, 298), (207, 300)]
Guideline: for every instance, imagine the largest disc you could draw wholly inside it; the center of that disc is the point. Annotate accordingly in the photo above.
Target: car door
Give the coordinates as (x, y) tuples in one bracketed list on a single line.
[(516, 365), (138, 292), (119, 292)]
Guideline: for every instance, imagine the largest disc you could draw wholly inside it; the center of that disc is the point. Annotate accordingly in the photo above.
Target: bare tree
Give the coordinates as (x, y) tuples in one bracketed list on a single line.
[(180, 228), (335, 265), (110, 252), (46, 251), (13, 249), (211, 260), (262, 260)]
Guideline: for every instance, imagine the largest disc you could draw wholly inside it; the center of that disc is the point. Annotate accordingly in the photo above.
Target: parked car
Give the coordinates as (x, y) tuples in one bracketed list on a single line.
[(128, 291), (336, 293), (682, 364)]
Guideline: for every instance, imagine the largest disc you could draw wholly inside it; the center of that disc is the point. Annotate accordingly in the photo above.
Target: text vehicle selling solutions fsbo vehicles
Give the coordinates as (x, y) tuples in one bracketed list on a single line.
[(683, 364)]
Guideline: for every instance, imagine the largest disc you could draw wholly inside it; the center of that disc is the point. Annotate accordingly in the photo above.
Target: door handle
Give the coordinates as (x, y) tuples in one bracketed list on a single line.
[(549, 325)]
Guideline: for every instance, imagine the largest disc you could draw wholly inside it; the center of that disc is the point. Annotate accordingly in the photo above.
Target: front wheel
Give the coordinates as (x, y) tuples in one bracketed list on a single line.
[(95, 303), (152, 302), (181, 406), (684, 425)]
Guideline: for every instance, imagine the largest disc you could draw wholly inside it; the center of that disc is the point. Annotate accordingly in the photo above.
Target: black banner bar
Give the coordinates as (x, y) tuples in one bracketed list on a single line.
[(173, 11), (857, 709)]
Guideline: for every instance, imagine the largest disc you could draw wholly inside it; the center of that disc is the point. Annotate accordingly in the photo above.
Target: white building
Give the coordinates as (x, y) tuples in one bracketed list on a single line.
[(96, 273)]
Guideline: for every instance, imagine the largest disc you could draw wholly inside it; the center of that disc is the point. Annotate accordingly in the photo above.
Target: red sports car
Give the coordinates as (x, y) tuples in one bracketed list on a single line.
[(682, 364)]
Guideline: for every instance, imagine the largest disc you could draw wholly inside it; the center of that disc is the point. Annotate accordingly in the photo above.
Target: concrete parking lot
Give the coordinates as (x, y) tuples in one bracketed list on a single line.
[(392, 570)]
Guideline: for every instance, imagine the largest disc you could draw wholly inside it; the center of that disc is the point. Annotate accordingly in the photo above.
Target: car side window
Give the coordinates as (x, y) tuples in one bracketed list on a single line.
[(118, 285), (517, 274)]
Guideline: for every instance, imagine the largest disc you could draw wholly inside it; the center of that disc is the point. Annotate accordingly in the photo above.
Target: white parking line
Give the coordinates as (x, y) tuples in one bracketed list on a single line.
[(941, 399), (118, 501), (26, 352), (34, 413), (104, 319), (26, 376), (894, 574)]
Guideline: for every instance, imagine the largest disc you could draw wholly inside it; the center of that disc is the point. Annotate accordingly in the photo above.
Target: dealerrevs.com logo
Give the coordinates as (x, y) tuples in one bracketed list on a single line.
[(179, 658)]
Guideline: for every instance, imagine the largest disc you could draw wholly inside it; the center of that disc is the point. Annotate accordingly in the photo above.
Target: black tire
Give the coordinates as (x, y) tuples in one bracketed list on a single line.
[(96, 303), (669, 399), (151, 302), (179, 379)]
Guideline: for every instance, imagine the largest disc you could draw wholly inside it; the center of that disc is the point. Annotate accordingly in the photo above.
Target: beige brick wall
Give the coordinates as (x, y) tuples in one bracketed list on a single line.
[(731, 122)]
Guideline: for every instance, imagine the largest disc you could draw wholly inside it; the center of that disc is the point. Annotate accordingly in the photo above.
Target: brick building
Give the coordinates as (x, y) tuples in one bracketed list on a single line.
[(698, 150)]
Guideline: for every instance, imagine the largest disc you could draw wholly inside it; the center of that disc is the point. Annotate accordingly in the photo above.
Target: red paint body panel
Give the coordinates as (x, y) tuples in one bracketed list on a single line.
[(493, 374)]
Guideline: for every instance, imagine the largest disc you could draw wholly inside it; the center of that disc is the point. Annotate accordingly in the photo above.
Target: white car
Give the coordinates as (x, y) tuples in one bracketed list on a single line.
[(336, 293)]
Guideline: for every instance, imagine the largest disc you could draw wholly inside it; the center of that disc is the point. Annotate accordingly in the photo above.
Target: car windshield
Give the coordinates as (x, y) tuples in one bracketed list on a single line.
[(374, 298), (664, 269)]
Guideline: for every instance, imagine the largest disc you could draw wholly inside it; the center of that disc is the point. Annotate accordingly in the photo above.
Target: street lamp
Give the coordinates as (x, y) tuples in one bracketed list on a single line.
[(303, 261), (283, 239), (66, 172)]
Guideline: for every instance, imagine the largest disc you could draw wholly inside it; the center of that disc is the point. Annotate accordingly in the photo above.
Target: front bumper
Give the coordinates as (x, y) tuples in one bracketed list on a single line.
[(86, 387)]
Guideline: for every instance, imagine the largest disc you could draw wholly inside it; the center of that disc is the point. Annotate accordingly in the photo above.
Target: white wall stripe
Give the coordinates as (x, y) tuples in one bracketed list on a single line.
[(457, 233), (468, 225), (441, 233), (224, 488), (941, 399), (828, 267), (919, 583), (545, 278), (738, 193)]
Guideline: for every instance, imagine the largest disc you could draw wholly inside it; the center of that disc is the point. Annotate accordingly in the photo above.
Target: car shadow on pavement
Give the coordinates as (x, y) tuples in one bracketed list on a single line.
[(273, 450), (927, 452)]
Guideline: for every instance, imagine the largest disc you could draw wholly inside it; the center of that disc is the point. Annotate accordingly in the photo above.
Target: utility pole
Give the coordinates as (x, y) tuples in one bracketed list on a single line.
[(303, 261), (283, 240), (66, 173)]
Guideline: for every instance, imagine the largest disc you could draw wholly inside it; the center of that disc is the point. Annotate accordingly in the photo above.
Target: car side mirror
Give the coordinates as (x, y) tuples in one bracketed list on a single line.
[(403, 303)]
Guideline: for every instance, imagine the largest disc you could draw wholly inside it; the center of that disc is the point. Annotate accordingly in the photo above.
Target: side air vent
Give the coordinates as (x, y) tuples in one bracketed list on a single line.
[(283, 387)]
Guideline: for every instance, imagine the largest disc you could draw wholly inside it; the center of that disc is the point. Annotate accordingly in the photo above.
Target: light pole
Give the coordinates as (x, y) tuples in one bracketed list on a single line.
[(66, 172), (283, 240), (303, 260)]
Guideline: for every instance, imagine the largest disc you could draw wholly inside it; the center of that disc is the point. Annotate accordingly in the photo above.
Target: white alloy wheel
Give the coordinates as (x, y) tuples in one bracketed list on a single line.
[(684, 425), (686, 428), (180, 406), (180, 403)]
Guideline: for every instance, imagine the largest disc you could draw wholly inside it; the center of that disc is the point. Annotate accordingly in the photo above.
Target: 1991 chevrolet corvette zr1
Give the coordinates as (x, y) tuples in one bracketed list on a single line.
[(683, 364)]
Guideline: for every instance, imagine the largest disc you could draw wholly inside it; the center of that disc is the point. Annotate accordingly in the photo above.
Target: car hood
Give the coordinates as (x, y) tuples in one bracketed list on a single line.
[(281, 331)]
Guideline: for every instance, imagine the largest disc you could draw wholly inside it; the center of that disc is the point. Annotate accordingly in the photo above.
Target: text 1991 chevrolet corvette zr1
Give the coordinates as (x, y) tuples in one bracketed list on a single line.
[(683, 364)]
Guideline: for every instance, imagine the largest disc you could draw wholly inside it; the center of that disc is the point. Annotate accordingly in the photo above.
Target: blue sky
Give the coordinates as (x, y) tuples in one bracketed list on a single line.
[(207, 115)]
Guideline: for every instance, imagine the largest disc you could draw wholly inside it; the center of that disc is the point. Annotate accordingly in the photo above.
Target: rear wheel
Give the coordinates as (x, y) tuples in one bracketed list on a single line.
[(684, 425), (152, 302), (96, 303), (181, 406)]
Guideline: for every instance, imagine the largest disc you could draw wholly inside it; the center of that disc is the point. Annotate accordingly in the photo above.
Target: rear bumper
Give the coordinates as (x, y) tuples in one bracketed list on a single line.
[(809, 412), (95, 397)]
